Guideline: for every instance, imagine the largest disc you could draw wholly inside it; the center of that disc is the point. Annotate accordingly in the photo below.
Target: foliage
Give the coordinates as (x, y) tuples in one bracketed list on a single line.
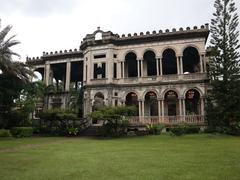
[(22, 131), (155, 129), (114, 119), (14, 75), (60, 122), (30, 95), (76, 101), (5, 133), (224, 97), (181, 129)]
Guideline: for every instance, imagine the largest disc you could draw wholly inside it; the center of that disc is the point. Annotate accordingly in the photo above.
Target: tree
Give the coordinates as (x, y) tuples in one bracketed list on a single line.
[(224, 98), (114, 119), (13, 77)]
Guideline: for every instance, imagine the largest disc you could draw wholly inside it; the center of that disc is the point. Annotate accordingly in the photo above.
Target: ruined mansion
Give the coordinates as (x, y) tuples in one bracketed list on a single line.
[(163, 74)]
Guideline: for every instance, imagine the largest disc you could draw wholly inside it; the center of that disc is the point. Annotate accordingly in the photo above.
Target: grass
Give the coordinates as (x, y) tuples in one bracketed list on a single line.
[(151, 157)]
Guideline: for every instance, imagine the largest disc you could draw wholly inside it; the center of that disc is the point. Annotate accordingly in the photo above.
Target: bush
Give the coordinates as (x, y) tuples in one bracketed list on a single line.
[(5, 133), (58, 122), (179, 130), (22, 131), (234, 129), (114, 119), (155, 129)]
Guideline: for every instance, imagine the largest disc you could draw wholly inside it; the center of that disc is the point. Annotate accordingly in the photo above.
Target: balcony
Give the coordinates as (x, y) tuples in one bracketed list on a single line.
[(168, 120), (164, 78)]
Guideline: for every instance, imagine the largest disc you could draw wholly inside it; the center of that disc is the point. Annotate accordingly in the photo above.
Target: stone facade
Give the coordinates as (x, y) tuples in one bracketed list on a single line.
[(164, 74)]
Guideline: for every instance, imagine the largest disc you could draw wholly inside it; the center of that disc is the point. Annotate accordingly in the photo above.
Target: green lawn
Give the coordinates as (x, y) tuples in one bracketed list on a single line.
[(151, 157)]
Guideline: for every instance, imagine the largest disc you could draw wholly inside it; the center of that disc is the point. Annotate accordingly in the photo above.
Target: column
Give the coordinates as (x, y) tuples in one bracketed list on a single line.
[(178, 66), (143, 110), (159, 111), (161, 69), (157, 63), (123, 69), (181, 65), (119, 69), (184, 108), (159, 108), (202, 106), (47, 73), (163, 114), (141, 68), (68, 75), (180, 106), (201, 63), (138, 67), (139, 108)]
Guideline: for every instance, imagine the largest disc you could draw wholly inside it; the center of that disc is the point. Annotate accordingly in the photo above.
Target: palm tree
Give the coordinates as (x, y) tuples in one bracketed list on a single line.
[(14, 75), (7, 66)]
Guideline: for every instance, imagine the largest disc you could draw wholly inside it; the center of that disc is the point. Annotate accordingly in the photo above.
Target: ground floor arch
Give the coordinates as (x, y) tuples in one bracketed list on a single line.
[(192, 102), (171, 107), (150, 104)]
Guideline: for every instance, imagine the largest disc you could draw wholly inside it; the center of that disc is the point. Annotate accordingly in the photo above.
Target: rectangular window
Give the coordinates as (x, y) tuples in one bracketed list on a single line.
[(114, 56), (99, 71), (115, 70), (100, 56)]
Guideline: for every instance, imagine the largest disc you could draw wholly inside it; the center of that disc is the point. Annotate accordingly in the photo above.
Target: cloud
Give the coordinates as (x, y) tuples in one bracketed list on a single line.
[(37, 7)]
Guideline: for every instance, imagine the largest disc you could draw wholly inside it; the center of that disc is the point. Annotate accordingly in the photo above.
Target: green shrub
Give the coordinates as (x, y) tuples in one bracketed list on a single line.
[(114, 119), (58, 122), (22, 131), (179, 130), (234, 129), (5, 133), (155, 129)]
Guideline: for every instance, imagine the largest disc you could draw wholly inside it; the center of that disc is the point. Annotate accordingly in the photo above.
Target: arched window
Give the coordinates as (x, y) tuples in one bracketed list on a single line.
[(131, 65), (171, 98), (191, 60), (151, 104), (192, 102), (149, 63), (169, 62)]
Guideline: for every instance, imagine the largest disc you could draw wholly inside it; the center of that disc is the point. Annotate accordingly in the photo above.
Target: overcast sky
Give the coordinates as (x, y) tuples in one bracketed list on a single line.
[(50, 25)]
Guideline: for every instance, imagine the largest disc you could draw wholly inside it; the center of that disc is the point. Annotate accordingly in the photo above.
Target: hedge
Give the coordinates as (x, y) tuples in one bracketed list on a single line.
[(5, 133), (22, 131)]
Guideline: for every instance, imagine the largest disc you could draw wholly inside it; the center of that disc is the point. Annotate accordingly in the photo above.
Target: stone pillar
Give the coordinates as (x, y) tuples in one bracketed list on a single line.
[(180, 106), (202, 106), (142, 68), (119, 70), (163, 113), (184, 108), (157, 63), (139, 108), (143, 110), (47, 73), (161, 69), (123, 69), (181, 65), (201, 63), (68, 75), (138, 67), (159, 108), (178, 66)]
